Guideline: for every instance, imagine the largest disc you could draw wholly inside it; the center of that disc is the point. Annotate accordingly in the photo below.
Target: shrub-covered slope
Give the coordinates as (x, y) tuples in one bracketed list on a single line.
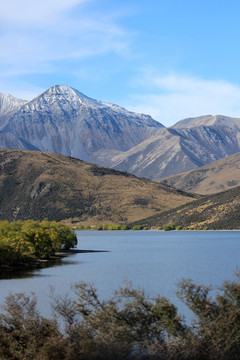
[(219, 211)]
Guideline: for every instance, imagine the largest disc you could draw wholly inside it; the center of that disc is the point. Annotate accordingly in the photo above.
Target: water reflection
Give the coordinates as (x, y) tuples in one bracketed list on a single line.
[(61, 260), (8, 274)]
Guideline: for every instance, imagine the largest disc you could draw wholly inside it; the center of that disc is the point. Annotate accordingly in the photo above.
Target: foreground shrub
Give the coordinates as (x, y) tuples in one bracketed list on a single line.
[(217, 320), (129, 325)]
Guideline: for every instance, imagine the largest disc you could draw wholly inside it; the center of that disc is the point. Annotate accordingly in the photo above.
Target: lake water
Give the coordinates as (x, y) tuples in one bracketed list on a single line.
[(153, 260)]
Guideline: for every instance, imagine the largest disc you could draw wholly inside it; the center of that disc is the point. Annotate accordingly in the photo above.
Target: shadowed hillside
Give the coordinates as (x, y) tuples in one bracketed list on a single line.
[(41, 185)]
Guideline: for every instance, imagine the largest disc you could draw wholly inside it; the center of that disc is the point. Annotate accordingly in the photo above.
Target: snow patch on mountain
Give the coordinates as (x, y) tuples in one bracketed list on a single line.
[(65, 121), (8, 106)]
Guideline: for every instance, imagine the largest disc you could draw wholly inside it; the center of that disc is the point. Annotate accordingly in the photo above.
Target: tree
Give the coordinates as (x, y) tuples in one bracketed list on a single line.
[(23, 241)]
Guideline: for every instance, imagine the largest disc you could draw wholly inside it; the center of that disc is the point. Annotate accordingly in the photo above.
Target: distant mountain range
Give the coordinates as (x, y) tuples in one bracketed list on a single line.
[(38, 185), (185, 146), (63, 120)]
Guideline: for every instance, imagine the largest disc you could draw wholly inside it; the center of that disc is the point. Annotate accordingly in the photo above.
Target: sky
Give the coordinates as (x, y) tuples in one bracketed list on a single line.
[(171, 59)]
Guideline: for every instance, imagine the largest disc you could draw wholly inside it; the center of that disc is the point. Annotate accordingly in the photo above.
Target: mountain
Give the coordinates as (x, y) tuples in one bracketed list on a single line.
[(63, 120), (212, 178), (40, 185), (187, 145), (218, 211), (8, 106)]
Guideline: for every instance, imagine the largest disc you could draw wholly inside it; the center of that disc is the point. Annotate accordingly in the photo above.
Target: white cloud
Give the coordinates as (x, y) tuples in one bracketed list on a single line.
[(20, 89), (34, 13), (174, 97), (34, 35)]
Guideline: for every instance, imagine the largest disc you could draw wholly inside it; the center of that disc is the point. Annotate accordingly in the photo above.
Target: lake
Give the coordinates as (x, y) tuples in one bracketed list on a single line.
[(153, 260)]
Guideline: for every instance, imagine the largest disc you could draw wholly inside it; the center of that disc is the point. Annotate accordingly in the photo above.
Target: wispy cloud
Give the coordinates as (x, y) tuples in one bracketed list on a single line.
[(174, 97), (34, 13), (35, 34)]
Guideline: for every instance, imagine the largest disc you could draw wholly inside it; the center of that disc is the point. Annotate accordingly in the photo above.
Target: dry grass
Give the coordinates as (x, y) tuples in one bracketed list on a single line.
[(48, 185)]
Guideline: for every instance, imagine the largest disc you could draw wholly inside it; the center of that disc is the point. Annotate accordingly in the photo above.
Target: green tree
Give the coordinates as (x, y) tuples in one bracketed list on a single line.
[(22, 241), (168, 227)]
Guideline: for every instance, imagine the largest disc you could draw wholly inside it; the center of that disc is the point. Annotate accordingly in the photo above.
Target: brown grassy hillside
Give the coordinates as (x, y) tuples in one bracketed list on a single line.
[(42, 185), (218, 211), (212, 178)]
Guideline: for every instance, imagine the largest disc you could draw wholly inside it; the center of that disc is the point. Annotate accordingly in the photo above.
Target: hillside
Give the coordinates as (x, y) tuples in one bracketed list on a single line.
[(218, 211), (41, 185), (218, 176)]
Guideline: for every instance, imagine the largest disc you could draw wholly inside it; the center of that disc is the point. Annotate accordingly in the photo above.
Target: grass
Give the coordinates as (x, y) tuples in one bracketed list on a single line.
[(41, 185)]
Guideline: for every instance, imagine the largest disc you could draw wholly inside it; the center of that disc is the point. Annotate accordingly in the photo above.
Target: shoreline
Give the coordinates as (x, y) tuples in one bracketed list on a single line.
[(38, 262)]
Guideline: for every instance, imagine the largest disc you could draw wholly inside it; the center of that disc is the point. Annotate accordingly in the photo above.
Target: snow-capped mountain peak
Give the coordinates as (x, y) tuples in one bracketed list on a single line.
[(65, 121), (8, 106), (9, 103)]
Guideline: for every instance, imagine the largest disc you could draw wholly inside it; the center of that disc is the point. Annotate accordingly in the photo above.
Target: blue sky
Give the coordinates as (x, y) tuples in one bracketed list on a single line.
[(171, 59)]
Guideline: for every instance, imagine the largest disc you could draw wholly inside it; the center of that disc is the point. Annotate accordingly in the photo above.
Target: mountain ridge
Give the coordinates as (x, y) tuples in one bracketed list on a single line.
[(175, 150), (215, 177)]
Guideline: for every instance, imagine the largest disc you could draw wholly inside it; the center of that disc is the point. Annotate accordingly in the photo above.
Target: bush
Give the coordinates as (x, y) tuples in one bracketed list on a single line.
[(129, 325), (137, 227), (179, 227), (99, 227), (217, 319), (124, 227), (159, 228), (23, 241), (114, 227), (168, 227)]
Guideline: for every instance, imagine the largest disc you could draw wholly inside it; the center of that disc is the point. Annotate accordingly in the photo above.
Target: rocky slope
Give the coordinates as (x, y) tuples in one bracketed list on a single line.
[(189, 144), (41, 185), (9, 105), (63, 120)]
